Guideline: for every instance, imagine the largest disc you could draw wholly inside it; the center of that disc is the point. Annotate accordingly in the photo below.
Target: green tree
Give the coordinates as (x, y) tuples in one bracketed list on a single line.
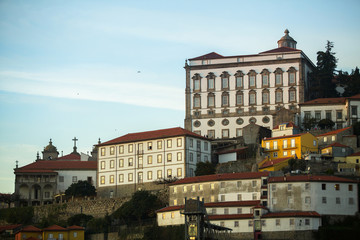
[(204, 168), (351, 82), (309, 123), (80, 189), (79, 219), (326, 124)]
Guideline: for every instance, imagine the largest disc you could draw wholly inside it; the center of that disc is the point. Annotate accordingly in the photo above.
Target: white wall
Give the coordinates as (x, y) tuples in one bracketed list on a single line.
[(81, 175), (227, 157)]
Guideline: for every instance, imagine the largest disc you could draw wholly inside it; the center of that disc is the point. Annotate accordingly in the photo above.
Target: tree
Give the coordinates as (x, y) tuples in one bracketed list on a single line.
[(324, 73), (79, 219), (351, 82), (309, 123), (9, 198), (204, 168), (81, 189), (326, 124)]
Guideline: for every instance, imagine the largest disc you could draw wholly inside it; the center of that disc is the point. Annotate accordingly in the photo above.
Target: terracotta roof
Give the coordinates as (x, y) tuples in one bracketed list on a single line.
[(221, 177), (281, 49), (230, 216), (24, 170), (9, 227), (325, 101), (171, 208), (291, 214), (54, 228), (334, 132), (30, 228), (357, 96), (46, 165), (309, 178), (336, 144), (274, 162), (74, 227), (212, 55), (288, 125), (286, 136), (355, 154), (232, 151), (141, 136), (71, 156)]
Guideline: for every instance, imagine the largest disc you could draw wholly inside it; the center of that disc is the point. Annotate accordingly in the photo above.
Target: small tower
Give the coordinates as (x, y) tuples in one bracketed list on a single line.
[(287, 41), (50, 152)]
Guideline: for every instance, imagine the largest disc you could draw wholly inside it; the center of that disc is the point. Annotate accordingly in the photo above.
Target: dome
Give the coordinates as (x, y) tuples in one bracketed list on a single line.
[(50, 147), (287, 41)]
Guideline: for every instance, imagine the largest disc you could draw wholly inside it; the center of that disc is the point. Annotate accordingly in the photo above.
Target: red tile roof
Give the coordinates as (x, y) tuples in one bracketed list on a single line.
[(212, 55), (309, 178), (291, 214), (71, 156), (286, 136), (54, 228), (336, 144), (281, 49), (239, 150), (141, 136), (24, 170), (47, 165), (9, 227), (221, 177), (30, 228), (355, 154), (288, 125), (357, 96), (171, 208), (230, 216), (334, 132), (74, 227), (324, 101), (274, 162)]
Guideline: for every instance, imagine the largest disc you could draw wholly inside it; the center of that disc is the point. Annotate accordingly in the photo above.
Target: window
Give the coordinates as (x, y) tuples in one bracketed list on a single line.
[(121, 149), (163, 215), (179, 172), (226, 211), (149, 175), (169, 173), (111, 178), (112, 150), (74, 179), (278, 77), (254, 196), (175, 202), (179, 156), (130, 160), (323, 186), (337, 200), (121, 178), (197, 103), (213, 211), (252, 98), (267, 145), (265, 80), (277, 222), (225, 133), (102, 151), (130, 177), (159, 174), (149, 145), (292, 142), (307, 200), (149, 159), (172, 215), (285, 143), (252, 79), (169, 157), (275, 154), (222, 224), (292, 221), (184, 189), (75, 234), (169, 143), (278, 96), (239, 98), (112, 164), (250, 223), (236, 224), (333, 138), (307, 115), (292, 78), (159, 144), (102, 164), (159, 158), (323, 200), (179, 142), (225, 99), (222, 197), (354, 110), (307, 221), (239, 132), (337, 187), (328, 115), (121, 162), (102, 179), (307, 186), (201, 187), (61, 178), (351, 201), (212, 186), (224, 80), (211, 81), (211, 100), (350, 187), (239, 210), (222, 185), (289, 187), (61, 236), (191, 157), (239, 197), (292, 95), (191, 143), (265, 97), (275, 145), (239, 82)]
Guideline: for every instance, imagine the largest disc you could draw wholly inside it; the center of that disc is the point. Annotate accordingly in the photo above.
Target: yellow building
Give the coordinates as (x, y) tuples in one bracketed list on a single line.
[(76, 233), (290, 146), (29, 232), (274, 165), (55, 232), (354, 158)]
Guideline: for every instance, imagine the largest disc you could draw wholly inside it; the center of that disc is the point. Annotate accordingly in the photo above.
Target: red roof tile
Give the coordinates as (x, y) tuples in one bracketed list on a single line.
[(9, 227), (74, 227), (334, 132), (33, 170), (46, 165), (141, 136), (274, 162), (336, 144), (71, 156), (355, 154), (230, 216), (291, 214), (325, 101), (357, 96), (221, 177), (171, 208), (286, 136), (212, 55), (54, 228), (281, 49), (309, 178), (239, 150), (288, 125), (30, 228)]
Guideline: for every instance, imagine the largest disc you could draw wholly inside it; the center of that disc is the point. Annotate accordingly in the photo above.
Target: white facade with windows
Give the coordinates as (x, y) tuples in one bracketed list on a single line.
[(224, 94), (135, 161)]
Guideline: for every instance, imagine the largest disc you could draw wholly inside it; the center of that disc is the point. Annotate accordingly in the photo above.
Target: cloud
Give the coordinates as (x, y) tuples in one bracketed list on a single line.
[(96, 84)]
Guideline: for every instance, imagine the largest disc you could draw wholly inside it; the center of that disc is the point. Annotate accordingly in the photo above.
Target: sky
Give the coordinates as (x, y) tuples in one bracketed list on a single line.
[(102, 69)]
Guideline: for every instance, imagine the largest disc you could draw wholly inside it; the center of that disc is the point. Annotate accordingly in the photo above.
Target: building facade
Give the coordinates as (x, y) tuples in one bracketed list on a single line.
[(224, 94), (146, 159)]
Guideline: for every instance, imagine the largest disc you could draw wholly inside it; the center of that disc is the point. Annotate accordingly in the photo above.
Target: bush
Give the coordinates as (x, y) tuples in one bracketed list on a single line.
[(79, 220), (23, 215)]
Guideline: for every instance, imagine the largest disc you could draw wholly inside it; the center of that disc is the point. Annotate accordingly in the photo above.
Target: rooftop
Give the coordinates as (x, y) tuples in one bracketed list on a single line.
[(270, 163), (334, 132), (310, 178), (285, 136), (288, 125), (50, 165), (54, 228), (291, 214)]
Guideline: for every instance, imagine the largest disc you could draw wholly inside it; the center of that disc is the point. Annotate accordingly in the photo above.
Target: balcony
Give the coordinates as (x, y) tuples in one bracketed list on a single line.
[(291, 146)]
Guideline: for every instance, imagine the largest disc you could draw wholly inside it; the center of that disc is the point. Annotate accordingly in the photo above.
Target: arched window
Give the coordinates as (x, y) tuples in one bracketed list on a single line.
[(239, 77), (278, 77), (292, 76), (278, 95), (265, 96), (252, 97), (197, 101), (252, 79), (292, 94), (239, 98), (196, 82), (225, 99), (225, 80), (211, 81), (211, 100), (265, 78)]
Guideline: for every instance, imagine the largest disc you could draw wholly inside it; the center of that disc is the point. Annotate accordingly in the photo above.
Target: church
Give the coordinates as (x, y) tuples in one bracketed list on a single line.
[(226, 93), (39, 182)]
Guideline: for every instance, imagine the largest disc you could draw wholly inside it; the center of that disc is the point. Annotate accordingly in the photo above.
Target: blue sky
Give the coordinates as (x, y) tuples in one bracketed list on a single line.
[(101, 69)]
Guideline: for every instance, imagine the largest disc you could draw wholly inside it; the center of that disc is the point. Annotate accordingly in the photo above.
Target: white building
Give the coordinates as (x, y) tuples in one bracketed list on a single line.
[(344, 111), (139, 160), (226, 93)]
